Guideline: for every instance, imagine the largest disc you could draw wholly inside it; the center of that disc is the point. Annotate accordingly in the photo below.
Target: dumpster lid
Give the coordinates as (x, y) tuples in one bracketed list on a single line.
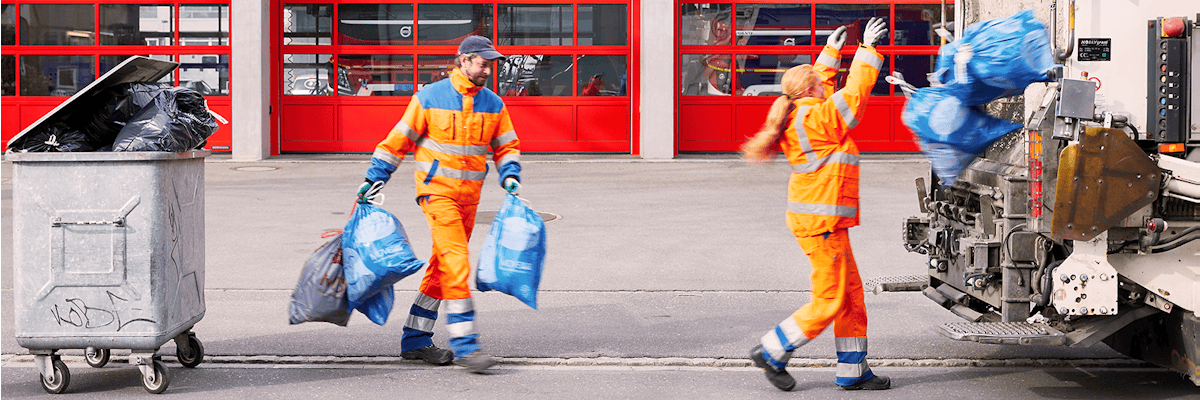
[(136, 69)]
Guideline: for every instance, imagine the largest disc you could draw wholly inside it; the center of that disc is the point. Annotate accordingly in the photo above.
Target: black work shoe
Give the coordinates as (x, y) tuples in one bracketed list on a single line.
[(477, 362), (430, 354), (777, 376), (877, 382)]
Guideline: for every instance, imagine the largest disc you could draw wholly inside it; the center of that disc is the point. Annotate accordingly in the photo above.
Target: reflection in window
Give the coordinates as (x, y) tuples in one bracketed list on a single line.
[(55, 75), (136, 25), (881, 88), (307, 23), (853, 16), (774, 24), (449, 24), (204, 25), (307, 75), (375, 24), (205, 73), (433, 68), (915, 69), (535, 25), (108, 62), (378, 74), (915, 24), (706, 74), (761, 75), (706, 24), (58, 24), (602, 75), (603, 24), (9, 13), (8, 76), (535, 75)]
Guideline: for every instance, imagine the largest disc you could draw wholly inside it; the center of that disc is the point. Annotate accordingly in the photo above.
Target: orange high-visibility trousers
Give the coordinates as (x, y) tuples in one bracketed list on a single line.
[(837, 298), (450, 224)]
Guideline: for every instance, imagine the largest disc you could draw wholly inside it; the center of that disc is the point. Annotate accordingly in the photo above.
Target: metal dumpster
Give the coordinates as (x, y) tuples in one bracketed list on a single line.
[(108, 253)]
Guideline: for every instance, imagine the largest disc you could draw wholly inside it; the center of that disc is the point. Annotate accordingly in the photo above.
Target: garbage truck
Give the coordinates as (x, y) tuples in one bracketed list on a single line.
[(1080, 228)]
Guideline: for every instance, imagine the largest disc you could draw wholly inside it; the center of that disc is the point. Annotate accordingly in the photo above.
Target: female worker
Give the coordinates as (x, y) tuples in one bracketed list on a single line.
[(811, 123)]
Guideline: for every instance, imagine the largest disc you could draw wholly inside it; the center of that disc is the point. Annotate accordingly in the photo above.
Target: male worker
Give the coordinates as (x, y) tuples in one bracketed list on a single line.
[(450, 124), (811, 123)]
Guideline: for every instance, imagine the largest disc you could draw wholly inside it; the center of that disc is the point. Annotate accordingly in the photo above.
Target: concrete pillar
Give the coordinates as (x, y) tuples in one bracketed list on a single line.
[(250, 75), (658, 71)]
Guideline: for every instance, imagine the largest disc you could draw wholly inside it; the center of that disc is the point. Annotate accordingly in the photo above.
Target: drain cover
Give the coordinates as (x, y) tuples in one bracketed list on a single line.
[(254, 169), (486, 217)]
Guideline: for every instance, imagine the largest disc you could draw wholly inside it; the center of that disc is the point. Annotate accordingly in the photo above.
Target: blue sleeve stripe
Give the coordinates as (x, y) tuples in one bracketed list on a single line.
[(380, 171)]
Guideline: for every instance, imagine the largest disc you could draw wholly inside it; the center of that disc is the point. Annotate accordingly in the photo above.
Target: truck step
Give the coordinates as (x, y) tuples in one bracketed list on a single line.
[(896, 283), (1022, 333)]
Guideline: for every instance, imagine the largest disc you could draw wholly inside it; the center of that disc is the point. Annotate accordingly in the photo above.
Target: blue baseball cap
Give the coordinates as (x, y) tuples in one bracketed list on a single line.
[(481, 46)]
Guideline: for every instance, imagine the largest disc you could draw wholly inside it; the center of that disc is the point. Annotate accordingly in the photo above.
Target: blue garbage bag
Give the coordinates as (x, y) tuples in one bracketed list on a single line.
[(378, 307), (995, 59), (376, 253), (513, 254), (943, 123), (946, 161)]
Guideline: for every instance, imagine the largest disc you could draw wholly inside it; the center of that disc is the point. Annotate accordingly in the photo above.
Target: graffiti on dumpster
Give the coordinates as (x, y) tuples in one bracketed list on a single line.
[(76, 312)]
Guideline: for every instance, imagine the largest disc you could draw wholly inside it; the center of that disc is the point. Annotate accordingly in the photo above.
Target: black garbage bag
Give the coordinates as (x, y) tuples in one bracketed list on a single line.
[(56, 137), (177, 120), (114, 107)]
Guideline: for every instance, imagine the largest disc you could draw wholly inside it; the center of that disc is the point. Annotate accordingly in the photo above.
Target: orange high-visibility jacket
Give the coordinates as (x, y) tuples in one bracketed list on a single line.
[(823, 189), (451, 124)]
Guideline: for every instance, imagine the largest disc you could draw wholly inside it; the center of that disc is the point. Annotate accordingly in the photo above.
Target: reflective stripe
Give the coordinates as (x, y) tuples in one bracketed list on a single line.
[(419, 323), (852, 370), (429, 303), (822, 209), (868, 57), (407, 131), (452, 173), (386, 156), (835, 158), (451, 149), (839, 98), (464, 328), (850, 344), (781, 341), (503, 139), (459, 306), (802, 134), (830, 61), (509, 158)]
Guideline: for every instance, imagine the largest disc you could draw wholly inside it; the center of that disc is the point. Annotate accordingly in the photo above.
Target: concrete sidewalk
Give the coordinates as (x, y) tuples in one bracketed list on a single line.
[(684, 259)]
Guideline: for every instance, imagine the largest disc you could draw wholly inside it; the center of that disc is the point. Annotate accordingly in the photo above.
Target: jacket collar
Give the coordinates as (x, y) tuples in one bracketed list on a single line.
[(463, 84)]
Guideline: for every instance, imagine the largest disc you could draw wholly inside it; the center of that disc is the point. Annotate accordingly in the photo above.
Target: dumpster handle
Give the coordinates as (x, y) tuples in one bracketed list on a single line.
[(118, 220)]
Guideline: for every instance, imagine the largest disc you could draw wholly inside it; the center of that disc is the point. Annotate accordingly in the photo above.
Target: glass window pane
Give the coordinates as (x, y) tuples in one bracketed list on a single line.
[(205, 73), (536, 25), (915, 24), (774, 24), (854, 16), (706, 74), (602, 75), (307, 23), (449, 24), (109, 62), (55, 75), (881, 88), (307, 74), (8, 78), (603, 24), (536, 75), (916, 69), (204, 25), (375, 24), (760, 75), (137, 25), (706, 24), (58, 24), (378, 74), (9, 12)]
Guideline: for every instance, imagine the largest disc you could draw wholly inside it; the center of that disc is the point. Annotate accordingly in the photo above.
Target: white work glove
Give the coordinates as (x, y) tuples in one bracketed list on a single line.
[(368, 192), (876, 29), (837, 38), (511, 185)]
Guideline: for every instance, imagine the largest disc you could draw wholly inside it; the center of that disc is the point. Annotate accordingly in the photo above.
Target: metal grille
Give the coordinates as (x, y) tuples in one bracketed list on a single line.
[(914, 280), (996, 328)]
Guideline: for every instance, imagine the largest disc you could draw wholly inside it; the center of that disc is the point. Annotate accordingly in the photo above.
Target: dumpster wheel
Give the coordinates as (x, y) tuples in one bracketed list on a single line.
[(157, 381), (57, 382), (97, 358), (191, 353)]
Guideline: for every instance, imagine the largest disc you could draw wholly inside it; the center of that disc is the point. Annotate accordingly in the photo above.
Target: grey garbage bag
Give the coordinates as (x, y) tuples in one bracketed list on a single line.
[(177, 120), (321, 293)]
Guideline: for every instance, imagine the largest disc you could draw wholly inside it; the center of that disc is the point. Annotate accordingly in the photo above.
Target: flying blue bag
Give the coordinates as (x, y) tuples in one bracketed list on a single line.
[(995, 59), (949, 132), (513, 254), (376, 254)]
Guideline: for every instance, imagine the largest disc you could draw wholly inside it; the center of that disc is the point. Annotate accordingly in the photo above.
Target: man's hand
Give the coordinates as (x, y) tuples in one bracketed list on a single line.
[(837, 38), (876, 29), (368, 190), (511, 185)]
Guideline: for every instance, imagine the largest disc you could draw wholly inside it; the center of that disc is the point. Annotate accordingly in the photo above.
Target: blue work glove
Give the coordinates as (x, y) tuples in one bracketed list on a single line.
[(511, 185), (837, 38), (368, 192)]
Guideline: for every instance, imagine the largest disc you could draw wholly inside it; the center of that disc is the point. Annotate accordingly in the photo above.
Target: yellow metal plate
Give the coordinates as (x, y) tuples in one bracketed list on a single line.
[(1101, 180)]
